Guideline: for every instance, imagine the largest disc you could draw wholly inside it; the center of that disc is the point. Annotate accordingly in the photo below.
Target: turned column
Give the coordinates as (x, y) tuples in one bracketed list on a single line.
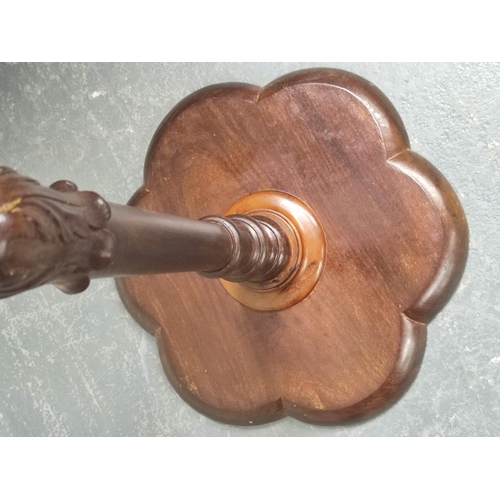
[(63, 236)]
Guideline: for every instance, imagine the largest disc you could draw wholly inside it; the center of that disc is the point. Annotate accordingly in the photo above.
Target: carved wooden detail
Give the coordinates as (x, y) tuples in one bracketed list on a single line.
[(50, 235)]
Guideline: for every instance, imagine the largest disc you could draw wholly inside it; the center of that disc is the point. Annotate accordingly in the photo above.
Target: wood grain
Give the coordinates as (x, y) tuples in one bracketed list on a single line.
[(396, 240)]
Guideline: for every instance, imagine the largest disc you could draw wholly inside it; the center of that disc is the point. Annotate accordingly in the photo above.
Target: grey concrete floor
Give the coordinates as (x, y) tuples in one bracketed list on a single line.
[(79, 365)]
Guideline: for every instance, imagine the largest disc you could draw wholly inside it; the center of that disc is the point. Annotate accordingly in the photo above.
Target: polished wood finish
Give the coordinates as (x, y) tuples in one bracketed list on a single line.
[(396, 244)]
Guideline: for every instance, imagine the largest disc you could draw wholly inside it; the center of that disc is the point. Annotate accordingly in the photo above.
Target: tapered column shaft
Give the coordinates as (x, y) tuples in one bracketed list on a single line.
[(151, 243)]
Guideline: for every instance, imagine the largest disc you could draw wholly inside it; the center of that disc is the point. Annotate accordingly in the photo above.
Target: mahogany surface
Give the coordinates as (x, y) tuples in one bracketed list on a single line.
[(396, 245)]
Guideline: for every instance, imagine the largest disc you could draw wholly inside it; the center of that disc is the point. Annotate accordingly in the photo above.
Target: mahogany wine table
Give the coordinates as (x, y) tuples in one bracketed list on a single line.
[(287, 248)]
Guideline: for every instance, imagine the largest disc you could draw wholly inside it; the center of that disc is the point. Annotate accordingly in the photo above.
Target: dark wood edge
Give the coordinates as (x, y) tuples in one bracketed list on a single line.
[(384, 113), (406, 366), (269, 412), (405, 369), (456, 234)]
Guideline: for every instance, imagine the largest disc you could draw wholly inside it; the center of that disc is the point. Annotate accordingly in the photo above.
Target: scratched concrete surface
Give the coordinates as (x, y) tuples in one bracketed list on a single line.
[(80, 366)]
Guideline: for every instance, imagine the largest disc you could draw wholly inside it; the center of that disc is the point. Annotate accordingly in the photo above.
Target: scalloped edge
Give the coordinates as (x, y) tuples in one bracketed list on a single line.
[(414, 320)]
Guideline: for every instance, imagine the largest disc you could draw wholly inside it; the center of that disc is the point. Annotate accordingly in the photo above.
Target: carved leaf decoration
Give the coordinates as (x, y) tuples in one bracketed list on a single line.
[(50, 235)]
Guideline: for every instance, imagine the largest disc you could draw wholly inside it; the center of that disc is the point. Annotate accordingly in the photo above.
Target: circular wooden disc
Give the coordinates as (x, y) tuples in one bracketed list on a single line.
[(396, 240)]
